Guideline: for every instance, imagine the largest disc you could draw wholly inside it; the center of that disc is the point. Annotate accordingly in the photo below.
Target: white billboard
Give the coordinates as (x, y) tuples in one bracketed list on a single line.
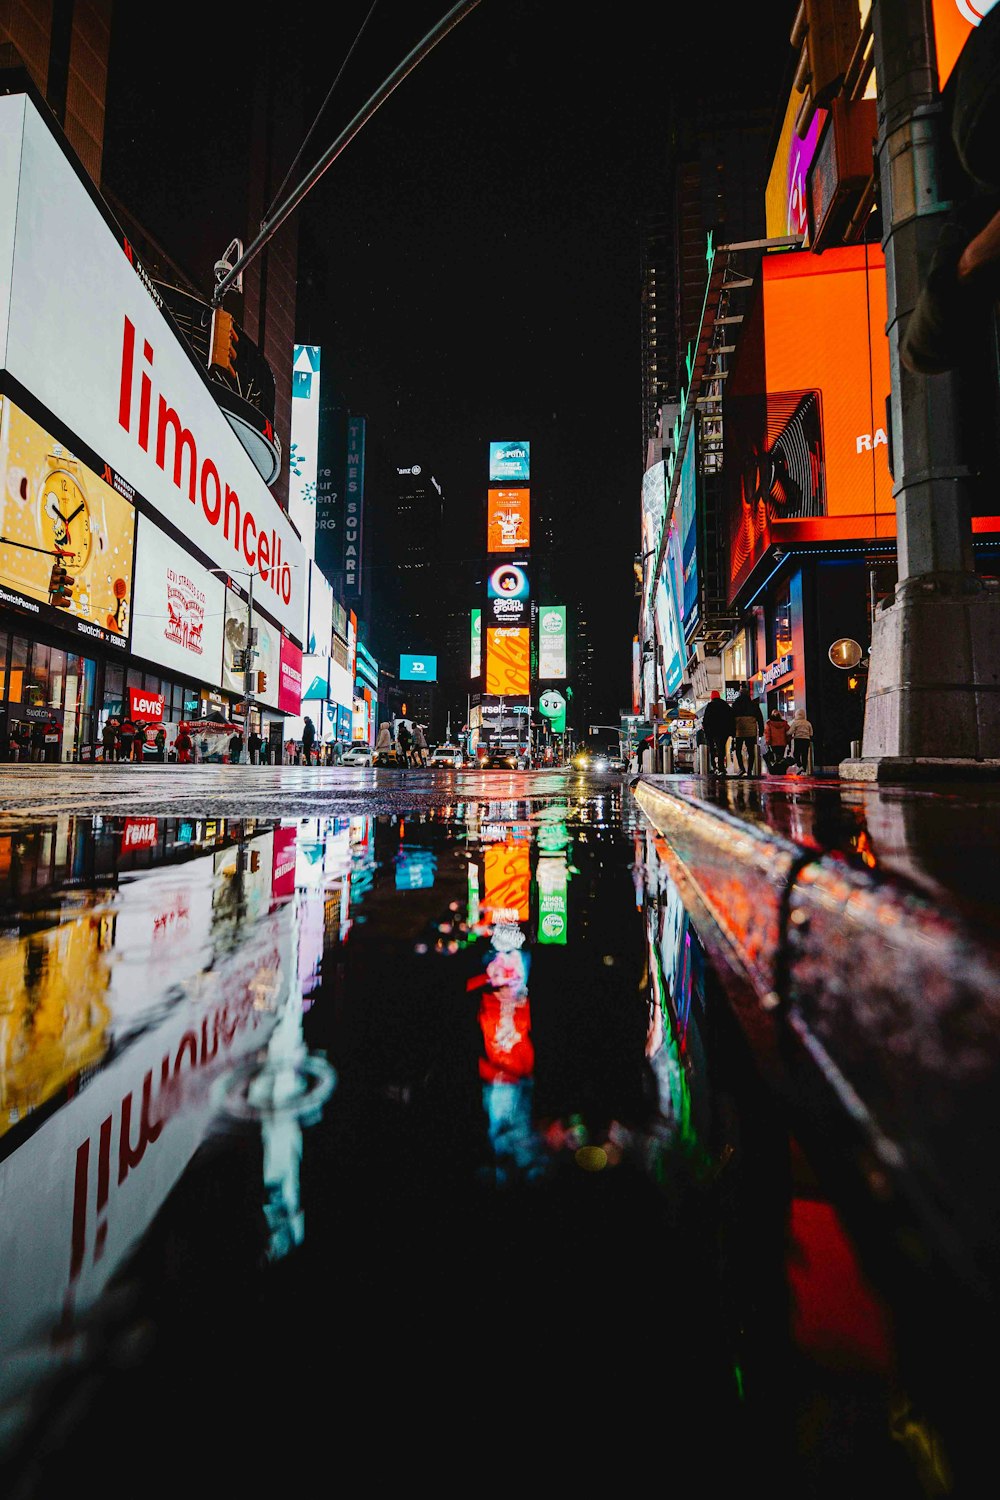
[(341, 685), (302, 454), (177, 608), (320, 628), (85, 335), (267, 651)]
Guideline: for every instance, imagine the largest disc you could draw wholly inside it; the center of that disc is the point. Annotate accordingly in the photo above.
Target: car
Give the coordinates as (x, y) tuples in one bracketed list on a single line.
[(388, 759), (357, 755), (447, 757), (500, 760), (617, 764)]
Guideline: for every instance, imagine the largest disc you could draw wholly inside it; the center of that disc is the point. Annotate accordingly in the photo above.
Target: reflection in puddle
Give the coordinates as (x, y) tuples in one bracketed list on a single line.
[(392, 1077)]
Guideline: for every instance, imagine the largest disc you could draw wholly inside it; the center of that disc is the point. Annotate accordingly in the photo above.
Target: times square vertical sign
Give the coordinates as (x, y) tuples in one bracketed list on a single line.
[(354, 508)]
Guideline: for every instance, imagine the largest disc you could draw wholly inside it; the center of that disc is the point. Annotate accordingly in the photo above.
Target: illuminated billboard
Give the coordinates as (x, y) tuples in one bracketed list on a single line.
[(954, 20), (267, 651), (95, 348), (289, 676), (180, 607), (552, 641), (508, 520), (476, 643), (508, 657), (418, 668), (58, 513), (319, 629), (303, 453), (354, 507), (508, 595), (509, 461), (687, 531), (785, 205), (805, 439)]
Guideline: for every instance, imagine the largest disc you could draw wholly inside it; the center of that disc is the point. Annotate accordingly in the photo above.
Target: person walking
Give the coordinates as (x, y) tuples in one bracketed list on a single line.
[(139, 744), (235, 748), (405, 739), (184, 744), (801, 732), (160, 742), (748, 728), (776, 740), (38, 741), (419, 745), (384, 738), (126, 736), (308, 740), (254, 744), (719, 725), (109, 735)]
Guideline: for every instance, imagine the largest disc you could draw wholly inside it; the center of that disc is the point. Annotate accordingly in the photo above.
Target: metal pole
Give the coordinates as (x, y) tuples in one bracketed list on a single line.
[(248, 663)]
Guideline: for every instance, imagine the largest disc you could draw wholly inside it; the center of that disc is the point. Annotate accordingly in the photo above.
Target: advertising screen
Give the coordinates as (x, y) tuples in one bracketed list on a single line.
[(289, 676), (341, 686), (508, 595), (785, 205), (804, 459), (954, 20), (319, 630), (355, 506), (418, 668), (58, 513), (315, 678), (552, 641), (669, 635), (267, 652), (508, 520), (304, 428), (687, 530), (509, 461), (179, 607), (507, 660), (114, 370), (476, 643)]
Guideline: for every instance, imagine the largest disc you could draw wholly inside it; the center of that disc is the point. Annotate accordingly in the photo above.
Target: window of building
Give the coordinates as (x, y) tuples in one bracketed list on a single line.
[(781, 624)]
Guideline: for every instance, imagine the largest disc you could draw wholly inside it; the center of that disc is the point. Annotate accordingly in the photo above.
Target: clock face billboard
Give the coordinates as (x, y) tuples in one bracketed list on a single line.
[(58, 514)]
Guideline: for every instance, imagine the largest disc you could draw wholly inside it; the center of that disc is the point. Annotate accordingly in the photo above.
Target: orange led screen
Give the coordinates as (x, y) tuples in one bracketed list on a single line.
[(953, 22), (507, 881), (507, 660), (806, 445), (509, 527)]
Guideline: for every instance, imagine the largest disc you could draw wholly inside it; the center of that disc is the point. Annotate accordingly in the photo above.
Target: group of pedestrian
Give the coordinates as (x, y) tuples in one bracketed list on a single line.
[(127, 739), (742, 722), (411, 747)]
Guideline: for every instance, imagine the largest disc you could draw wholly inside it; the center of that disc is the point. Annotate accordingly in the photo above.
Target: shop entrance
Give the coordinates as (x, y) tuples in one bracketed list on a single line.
[(46, 700)]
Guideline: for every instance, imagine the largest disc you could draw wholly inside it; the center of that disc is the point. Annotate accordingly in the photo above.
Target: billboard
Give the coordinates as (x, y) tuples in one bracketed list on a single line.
[(509, 461), (687, 533), (418, 668), (805, 440), (330, 486), (341, 685), (954, 20), (355, 505), (785, 203), (315, 678), (289, 676), (508, 526), (94, 348), (319, 629), (267, 652), (304, 443), (508, 596), (178, 617), (507, 660), (57, 512), (552, 641), (476, 643)]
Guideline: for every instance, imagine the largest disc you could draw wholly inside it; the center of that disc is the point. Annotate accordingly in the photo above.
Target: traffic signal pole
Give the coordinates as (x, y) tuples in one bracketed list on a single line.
[(248, 676), (933, 705)]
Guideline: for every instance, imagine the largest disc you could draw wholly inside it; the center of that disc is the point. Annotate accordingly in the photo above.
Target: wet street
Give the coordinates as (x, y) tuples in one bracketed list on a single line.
[(353, 1123)]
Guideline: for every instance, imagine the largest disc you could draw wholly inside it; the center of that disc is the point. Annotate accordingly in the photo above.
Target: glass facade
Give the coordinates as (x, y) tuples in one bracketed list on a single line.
[(46, 700)]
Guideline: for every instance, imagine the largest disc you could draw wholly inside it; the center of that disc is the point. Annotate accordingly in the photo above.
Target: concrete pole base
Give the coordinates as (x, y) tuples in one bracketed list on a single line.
[(933, 703)]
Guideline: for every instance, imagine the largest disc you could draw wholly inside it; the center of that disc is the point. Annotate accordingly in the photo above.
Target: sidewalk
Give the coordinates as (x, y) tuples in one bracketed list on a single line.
[(866, 920)]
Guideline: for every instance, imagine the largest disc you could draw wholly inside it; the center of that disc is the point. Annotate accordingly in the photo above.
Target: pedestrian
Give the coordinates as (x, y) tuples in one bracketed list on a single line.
[(384, 738), (718, 723), (109, 735), (254, 743), (38, 741), (776, 741), (747, 729), (139, 744), (126, 736), (184, 745), (160, 742), (801, 732), (405, 740), (235, 747), (419, 745), (308, 740)]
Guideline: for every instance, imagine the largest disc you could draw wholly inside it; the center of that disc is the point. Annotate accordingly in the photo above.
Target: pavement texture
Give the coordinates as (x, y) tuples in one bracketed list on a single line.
[(865, 920)]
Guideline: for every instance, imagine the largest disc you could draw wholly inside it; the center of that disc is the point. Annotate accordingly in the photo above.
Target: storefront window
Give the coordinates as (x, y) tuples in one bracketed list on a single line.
[(786, 700), (18, 667), (782, 624)]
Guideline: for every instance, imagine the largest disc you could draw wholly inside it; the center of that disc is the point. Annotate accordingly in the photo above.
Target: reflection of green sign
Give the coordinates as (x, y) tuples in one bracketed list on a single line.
[(552, 706), (552, 904)]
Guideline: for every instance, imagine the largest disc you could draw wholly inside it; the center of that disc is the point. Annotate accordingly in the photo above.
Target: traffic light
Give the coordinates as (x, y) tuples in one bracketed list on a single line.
[(827, 32), (222, 353), (60, 587), (261, 681), (254, 861)]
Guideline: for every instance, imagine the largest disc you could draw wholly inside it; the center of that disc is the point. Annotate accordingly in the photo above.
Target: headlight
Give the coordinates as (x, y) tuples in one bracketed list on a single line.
[(600, 765)]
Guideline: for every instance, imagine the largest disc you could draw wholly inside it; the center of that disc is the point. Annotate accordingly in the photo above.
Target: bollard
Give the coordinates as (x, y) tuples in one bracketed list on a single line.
[(668, 759), (855, 749), (701, 759)]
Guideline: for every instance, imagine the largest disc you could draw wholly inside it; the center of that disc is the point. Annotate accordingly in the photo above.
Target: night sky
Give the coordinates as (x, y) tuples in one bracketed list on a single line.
[(470, 262)]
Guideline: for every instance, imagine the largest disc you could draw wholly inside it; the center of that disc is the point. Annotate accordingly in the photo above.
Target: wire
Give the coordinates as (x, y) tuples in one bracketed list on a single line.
[(298, 155)]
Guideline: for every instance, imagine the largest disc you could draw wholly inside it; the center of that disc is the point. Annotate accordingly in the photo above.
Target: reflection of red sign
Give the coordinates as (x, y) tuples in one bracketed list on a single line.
[(139, 833), (145, 706), (289, 677), (283, 868)]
